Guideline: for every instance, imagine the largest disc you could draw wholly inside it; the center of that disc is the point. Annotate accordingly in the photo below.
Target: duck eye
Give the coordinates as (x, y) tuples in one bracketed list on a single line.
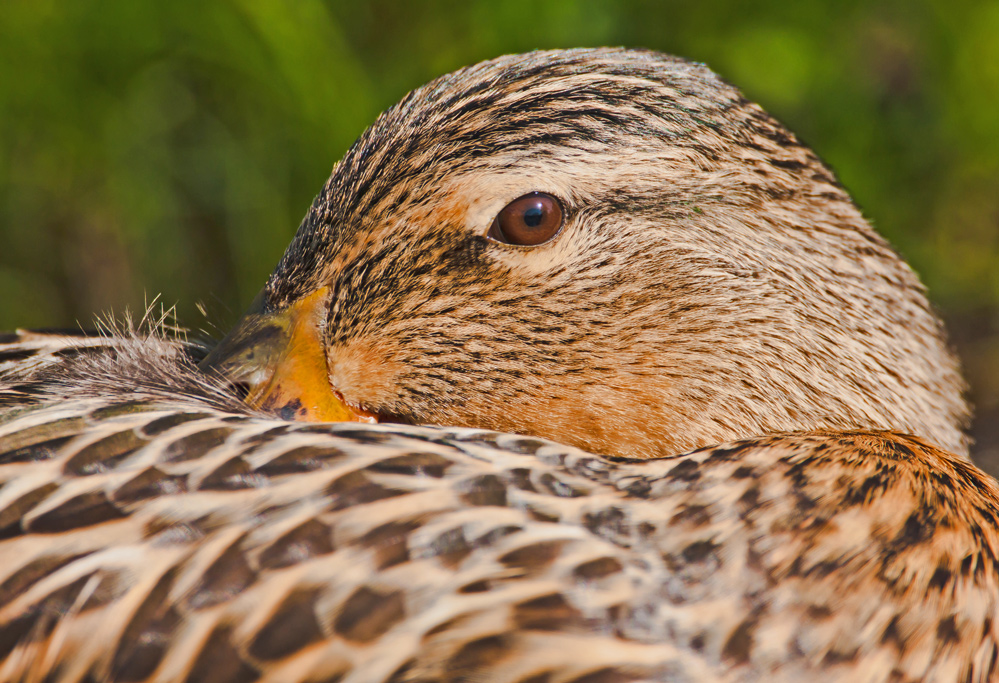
[(532, 219)]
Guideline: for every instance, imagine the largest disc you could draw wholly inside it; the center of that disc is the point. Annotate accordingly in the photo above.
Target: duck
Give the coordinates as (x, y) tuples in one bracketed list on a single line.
[(580, 368)]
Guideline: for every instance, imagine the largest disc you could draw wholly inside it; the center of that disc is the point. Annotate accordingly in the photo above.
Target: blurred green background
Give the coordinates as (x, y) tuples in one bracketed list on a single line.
[(172, 147)]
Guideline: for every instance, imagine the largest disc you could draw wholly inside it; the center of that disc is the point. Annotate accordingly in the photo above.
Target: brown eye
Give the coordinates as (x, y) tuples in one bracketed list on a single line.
[(532, 219)]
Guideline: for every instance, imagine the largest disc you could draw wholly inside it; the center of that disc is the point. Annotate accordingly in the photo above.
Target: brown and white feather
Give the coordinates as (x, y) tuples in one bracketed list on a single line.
[(206, 545)]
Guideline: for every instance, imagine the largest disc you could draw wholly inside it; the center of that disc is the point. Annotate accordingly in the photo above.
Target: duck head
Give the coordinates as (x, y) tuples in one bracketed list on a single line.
[(609, 248)]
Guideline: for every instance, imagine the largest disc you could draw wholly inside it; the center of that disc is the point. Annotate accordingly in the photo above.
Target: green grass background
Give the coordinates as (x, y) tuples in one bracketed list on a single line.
[(172, 147)]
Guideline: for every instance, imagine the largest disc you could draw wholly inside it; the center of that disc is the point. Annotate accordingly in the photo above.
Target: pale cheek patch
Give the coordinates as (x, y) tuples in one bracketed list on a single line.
[(364, 372), (547, 259)]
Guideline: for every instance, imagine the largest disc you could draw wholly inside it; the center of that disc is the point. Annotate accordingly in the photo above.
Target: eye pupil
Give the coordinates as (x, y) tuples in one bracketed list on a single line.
[(533, 216), (528, 221)]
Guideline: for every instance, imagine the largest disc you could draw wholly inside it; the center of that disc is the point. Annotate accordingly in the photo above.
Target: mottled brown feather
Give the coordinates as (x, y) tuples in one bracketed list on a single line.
[(296, 552)]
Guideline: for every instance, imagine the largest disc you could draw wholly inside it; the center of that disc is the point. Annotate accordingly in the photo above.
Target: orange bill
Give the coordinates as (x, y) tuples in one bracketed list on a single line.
[(280, 358)]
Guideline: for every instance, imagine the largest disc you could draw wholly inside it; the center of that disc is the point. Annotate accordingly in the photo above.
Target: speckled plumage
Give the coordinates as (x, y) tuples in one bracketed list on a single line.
[(713, 289), (211, 546)]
